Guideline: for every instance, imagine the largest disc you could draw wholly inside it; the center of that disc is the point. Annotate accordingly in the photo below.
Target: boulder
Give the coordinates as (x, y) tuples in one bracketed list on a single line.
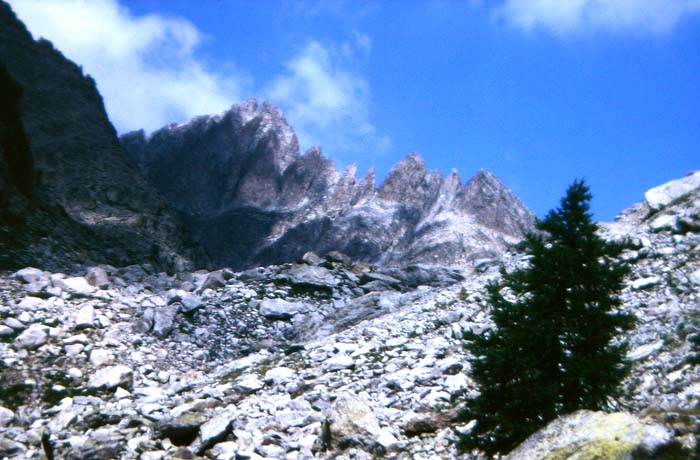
[(350, 422), (190, 302), (164, 320), (213, 431), (311, 258), (587, 435), (181, 430), (663, 195), (97, 277), (279, 309), (310, 277), (29, 275)]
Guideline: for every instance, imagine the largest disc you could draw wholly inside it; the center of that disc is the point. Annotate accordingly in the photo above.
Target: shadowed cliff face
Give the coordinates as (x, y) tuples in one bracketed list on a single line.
[(251, 198), (71, 194)]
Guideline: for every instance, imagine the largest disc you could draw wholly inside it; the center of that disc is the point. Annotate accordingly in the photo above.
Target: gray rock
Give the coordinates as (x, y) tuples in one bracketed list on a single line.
[(213, 431), (181, 430), (97, 277), (164, 320), (6, 416), (215, 280), (29, 275), (310, 276), (350, 422), (311, 258), (191, 302), (279, 309)]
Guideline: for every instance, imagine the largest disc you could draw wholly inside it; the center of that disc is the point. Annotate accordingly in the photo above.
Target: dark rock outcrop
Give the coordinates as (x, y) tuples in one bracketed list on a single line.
[(69, 194), (250, 198)]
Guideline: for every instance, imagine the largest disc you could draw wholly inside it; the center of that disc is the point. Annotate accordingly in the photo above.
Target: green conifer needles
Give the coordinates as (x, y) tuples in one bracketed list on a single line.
[(553, 347)]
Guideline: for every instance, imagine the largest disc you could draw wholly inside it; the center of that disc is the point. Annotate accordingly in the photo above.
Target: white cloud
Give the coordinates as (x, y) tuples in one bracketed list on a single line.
[(576, 16), (326, 101), (145, 67)]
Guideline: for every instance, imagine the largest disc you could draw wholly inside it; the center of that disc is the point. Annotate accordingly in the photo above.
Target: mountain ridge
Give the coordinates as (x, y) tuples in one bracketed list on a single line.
[(244, 165)]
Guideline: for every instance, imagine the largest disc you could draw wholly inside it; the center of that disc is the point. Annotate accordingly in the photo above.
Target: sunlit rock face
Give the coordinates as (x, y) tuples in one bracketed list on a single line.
[(252, 198)]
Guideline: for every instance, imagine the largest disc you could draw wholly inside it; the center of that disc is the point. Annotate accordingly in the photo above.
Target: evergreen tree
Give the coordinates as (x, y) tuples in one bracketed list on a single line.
[(552, 350)]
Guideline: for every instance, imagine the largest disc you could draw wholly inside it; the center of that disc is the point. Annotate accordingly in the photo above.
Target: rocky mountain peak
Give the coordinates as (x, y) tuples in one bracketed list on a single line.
[(410, 182), (241, 171), (495, 205)]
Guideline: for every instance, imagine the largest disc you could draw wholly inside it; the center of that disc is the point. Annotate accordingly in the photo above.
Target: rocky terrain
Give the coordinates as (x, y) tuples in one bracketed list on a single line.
[(69, 194), (251, 199), (325, 358)]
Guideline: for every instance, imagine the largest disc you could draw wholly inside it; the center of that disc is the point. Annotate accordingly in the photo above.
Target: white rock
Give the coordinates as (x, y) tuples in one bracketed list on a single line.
[(75, 373), (695, 277), (457, 382), (386, 439), (111, 377), (663, 195), (101, 357), (6, 331), (339, 362), (78, 338), (664, 222), (153, 455), (121, 393), (645, 283), (77, 285), (248, 383), (85, 317), (31, 303), (32, 338), (645, 350), (6, 416), (74, 349), (279, 374)]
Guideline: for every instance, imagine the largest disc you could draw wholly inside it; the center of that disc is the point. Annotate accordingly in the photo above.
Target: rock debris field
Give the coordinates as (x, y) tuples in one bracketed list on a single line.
[(324, 358)]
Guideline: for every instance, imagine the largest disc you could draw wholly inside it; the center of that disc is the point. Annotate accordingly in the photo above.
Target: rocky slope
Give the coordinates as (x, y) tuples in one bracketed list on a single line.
[(69, 193), (251, 199), (325, 358)]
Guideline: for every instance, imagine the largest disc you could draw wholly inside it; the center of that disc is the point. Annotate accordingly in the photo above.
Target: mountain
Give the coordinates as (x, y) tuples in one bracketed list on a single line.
[(70, 194), (250, 198), (327, 359)]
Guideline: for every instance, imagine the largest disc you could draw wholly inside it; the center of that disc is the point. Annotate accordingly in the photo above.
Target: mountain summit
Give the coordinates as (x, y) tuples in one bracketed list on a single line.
[(250, 197)]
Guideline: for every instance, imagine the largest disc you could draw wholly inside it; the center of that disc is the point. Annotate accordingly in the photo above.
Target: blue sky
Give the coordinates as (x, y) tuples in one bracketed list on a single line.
[(539, 92)]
